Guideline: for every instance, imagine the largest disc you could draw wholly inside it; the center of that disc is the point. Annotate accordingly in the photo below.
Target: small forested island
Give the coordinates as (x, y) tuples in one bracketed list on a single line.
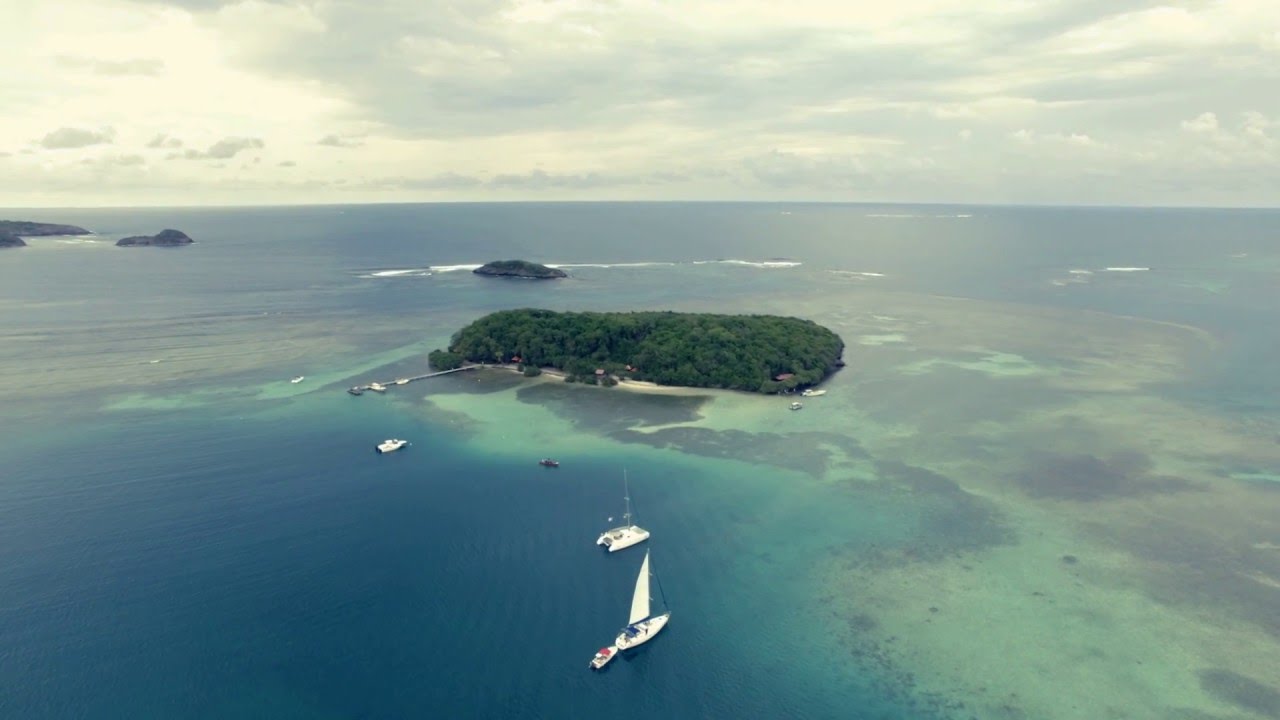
[(36, 229), (8, 239), (520, 269), (756, 353), (164, 238)]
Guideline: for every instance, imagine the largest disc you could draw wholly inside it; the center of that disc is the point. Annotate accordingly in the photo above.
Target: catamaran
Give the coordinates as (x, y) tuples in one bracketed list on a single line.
[(626, 534), (642, 626)]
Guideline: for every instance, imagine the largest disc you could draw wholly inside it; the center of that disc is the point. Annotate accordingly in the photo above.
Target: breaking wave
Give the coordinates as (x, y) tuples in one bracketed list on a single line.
[(900, 216), (855, 273), (611, 265), (769, 264), (1127, 269), (407, 272)]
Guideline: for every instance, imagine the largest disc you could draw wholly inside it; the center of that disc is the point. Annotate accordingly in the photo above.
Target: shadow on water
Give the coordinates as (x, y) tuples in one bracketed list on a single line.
[(619, 415), (602, 410), (1242, 692), (945, 520), (1088, 478)]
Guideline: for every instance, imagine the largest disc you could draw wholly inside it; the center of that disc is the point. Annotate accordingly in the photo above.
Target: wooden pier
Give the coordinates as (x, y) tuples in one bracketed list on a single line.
[(382, 386)]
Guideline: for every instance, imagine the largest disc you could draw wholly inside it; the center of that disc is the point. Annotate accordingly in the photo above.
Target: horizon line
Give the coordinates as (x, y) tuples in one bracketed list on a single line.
[(899, 203)]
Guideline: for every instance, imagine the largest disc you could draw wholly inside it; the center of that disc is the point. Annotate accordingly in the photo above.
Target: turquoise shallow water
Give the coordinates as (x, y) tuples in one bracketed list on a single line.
[(184, 534)]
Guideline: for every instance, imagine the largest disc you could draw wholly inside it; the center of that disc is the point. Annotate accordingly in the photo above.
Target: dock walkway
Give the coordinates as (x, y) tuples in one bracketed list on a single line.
[(359, 389)]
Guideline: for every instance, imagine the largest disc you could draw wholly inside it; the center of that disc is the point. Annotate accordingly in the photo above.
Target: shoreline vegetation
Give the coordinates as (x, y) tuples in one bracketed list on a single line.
[(752, 353)]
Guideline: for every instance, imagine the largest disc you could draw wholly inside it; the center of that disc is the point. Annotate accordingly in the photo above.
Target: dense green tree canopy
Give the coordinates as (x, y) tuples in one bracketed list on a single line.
[(736, 352)]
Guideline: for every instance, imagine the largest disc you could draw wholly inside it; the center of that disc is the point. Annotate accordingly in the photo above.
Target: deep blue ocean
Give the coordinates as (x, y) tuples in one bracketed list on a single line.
[(236, 550)]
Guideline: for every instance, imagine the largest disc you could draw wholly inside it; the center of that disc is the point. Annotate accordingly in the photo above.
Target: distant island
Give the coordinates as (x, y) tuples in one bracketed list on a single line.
[(164, 238), (35, 229), (8, 239), (755, 353), (519, 268)]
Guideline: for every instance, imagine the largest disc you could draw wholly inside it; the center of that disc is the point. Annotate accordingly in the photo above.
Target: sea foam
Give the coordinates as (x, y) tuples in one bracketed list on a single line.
[(406, 272), (766, 264)]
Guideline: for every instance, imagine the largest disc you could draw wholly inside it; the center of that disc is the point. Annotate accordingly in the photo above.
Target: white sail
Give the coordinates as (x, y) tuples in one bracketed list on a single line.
[(640, 601)]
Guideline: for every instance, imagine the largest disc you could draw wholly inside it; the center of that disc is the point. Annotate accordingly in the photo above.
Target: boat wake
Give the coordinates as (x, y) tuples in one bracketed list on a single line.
[(1127, 269)]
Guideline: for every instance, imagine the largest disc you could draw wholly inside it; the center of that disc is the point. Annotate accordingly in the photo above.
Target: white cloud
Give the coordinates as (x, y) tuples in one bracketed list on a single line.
[(162, 140), (333, 140), (1205, 122), (70, 137), (112, 67)]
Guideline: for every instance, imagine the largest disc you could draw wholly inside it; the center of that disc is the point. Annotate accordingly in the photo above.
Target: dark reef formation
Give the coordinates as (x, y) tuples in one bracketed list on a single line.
[(164, 238), (35, 229), (8, 239), (520, 269)]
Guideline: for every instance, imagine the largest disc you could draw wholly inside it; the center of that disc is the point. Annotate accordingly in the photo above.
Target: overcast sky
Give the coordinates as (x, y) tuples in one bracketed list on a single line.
[(198, 102)]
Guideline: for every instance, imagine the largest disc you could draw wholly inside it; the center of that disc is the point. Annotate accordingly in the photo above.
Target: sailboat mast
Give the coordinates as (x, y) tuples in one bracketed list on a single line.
[(662, 593), (626, 496)]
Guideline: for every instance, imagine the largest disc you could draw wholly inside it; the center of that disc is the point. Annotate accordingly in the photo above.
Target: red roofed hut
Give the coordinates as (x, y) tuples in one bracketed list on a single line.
[(783, 376)]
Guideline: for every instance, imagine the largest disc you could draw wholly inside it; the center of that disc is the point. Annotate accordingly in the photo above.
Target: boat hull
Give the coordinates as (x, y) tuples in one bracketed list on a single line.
[(647, 629), (622, 538)]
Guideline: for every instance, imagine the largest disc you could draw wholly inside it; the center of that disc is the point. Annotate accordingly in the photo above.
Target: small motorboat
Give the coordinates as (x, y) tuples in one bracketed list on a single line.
[(548, 462), (355, 390), (603, 656), (813, 393), (391, 445), (377, 387), (298, 379), (796, 405)]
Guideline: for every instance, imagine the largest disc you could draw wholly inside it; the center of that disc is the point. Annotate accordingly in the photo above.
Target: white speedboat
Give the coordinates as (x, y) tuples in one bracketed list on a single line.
[(796, 405), (642, 626), (402, 381), (391, 445), (377, 387), (626, 534), (813, 393), (603, 656), (298, 379)]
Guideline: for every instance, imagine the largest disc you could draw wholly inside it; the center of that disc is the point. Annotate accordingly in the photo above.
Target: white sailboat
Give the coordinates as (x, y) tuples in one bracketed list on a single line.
[(642, 626), (626, 534)]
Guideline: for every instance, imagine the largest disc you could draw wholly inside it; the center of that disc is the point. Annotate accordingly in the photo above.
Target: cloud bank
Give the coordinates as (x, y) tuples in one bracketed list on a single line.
[(1059, 101)]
